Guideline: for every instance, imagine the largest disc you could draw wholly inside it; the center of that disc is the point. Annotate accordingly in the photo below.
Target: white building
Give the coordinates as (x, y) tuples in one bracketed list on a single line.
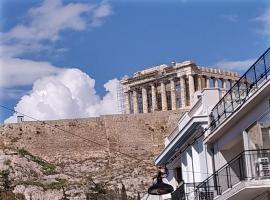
[(221, 147), (185, 155)]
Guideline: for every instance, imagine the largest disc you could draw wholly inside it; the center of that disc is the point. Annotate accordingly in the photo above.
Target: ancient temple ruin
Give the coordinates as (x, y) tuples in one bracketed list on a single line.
[(170, 87)]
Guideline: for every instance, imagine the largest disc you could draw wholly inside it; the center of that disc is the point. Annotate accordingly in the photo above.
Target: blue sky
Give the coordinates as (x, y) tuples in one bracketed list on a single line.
[(110, 39)]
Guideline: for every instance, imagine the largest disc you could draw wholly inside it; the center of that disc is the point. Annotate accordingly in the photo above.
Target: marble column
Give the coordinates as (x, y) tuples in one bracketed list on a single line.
[(203, 82), (231, 83), (207, 81), (199, 82), (224, 83), (135, 102), (191, 86), (183, 92), (215, 82), (154, 97), (127, 102), (144, 100), (173, 94), (163, 97)]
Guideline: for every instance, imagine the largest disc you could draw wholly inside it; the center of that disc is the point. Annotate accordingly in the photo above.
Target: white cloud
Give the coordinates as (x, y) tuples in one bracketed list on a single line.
[(236, 65), (100, 12), (103, 10), (43, 27), (69, 94), (265, 19), (46, 22), (57, 93), (20, 72), (109, 103)]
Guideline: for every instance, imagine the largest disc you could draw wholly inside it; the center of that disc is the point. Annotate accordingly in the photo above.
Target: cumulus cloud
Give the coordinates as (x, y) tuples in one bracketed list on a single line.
[(265, 19), (21, 72), (69, 94), (57, 93), (41, 29), (46, 22), (238, 65)]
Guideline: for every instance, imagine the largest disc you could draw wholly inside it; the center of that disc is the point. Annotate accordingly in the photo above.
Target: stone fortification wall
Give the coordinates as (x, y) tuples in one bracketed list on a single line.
[(140, 136)]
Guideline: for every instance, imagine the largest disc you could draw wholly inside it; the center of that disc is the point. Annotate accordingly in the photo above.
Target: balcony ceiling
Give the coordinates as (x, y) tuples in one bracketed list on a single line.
[(247, 190)]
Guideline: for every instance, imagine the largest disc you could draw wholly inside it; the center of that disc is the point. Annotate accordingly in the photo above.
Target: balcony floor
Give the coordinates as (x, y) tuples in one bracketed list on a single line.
[(246, 190)]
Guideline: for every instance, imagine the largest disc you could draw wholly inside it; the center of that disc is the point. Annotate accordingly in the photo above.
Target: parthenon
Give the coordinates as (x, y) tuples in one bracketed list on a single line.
[(171, 86)]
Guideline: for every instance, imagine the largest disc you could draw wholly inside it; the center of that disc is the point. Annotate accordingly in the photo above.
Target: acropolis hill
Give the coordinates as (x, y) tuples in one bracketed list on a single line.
[(139, 135), (158, 97)]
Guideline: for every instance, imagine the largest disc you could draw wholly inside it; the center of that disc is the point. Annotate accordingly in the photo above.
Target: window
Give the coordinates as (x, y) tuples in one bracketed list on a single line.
[(178, 174), (259, 133)]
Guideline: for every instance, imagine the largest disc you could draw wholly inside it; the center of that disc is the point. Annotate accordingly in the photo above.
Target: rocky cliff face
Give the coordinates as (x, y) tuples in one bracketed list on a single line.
[(25, 176), (62, 160)]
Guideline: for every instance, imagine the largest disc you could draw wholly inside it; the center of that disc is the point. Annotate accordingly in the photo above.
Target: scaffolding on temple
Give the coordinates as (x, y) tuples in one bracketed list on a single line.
[(120, 98)]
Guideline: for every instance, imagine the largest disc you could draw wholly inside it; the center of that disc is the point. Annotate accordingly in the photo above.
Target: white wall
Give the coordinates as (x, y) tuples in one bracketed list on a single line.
[(210, 97), (232, 139), (196, 160)]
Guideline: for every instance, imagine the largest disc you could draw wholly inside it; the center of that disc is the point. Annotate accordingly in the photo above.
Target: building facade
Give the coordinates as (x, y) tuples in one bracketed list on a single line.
[(170, 87), (185, 155), (221, 147)]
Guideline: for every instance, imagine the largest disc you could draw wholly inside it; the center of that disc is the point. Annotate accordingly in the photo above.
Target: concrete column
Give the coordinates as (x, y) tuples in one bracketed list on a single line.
[(127, 102), (215, 82), (183, 92), (248, 159), (196, 161), (135, 102), (144, 100), (191, 86), (207, 81), (163, 96), (190, 166), (184, 166), (154, 97), (224, 83), (173, 94), (199, 81)]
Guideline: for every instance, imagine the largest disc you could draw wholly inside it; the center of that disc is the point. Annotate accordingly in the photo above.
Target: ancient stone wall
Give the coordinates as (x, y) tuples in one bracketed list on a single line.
[(141, 136)]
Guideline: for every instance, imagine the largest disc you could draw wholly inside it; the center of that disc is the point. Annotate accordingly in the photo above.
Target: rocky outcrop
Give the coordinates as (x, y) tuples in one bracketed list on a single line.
[(26, 177)]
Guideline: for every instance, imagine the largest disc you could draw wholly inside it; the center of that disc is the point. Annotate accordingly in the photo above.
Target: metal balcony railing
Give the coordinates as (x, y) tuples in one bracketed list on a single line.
[(249, 165), (185, 191), (179, 193), (241, 90)]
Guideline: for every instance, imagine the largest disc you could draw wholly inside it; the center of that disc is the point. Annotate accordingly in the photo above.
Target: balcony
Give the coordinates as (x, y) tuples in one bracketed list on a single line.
[(247, 173), (242, 90)]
